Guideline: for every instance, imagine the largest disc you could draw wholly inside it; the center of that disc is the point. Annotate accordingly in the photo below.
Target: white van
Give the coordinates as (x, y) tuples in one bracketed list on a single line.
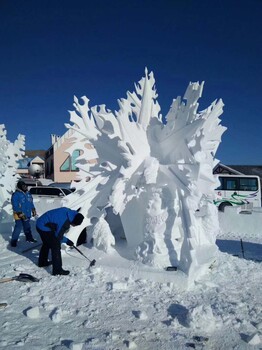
[(238, 190), (47, 198)]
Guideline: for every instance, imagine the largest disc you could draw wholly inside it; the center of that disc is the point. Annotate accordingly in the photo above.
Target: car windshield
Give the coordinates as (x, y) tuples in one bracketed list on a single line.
[(66, 191), (49, 191)]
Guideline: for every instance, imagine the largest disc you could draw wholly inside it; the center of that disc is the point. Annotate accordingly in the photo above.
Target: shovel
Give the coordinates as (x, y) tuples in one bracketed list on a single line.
[(22, 277), (92, 262)]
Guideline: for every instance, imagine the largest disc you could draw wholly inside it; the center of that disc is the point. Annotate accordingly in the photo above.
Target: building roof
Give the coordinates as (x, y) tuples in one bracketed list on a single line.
[(35, 153), (238, 169), (225, 169), (248, 169), (25, 162), (38, 159)]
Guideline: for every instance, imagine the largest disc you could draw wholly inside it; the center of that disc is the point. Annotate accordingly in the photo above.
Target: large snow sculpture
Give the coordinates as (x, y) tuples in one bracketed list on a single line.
[(157, 177), (10, 153)]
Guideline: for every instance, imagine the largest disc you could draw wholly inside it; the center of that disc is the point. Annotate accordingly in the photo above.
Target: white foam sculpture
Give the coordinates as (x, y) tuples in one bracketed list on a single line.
[(10, 153), (157, 177)]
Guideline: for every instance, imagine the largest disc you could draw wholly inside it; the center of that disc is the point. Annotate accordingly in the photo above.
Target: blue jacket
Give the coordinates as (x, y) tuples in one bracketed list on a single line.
[(57, 221), (22, 202)]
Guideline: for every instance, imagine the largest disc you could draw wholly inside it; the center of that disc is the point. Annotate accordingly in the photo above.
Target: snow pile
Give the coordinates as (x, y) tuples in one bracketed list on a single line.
[(122, 304), (119, 286), (201, 317), (254, 339), (10, 153), (100, 235), (33, 312), (241, 222), (156, 177), (141, 315), (56, 315)]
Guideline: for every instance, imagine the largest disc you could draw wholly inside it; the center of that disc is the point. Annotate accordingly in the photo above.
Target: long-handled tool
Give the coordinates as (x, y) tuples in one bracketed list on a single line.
[(92, 262), (242, 248), (23, 277)]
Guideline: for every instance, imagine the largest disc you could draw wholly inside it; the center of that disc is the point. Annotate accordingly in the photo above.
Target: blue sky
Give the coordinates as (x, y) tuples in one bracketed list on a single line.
[(52, 50)]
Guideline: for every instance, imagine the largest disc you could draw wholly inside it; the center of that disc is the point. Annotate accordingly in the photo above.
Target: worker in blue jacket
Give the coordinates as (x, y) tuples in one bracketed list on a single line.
[(23, 208), (51, 227)]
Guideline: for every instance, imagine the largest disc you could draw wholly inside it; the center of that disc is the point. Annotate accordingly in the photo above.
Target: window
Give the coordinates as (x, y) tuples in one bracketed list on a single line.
[(47, 191), (227, 183), (248, 184), (52, 192), (238, 184), (66, 165), (33, 190), (70, 162), (74, 157), (230, 184), (66, 191)]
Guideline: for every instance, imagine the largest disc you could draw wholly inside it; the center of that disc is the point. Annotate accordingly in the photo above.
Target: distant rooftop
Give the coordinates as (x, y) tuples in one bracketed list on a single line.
[(238, 169), (248, 169), (35, 153), (29, 156)]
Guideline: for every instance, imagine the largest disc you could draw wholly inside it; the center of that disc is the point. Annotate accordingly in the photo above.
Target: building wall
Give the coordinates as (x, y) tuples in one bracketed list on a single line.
[(24, 163), (60, 156), (56, 157), (49, 163), (22, 172)]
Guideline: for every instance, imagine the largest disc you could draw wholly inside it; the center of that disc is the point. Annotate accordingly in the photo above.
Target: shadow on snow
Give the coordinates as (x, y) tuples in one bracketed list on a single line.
[(246, 250)]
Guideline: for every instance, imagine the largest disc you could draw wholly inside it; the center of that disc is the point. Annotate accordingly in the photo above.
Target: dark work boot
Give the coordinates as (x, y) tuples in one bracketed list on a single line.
[(61, 272)]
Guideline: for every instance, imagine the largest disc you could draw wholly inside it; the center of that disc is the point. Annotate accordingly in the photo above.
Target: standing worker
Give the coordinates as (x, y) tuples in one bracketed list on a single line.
[(51, 227), (23, 207)]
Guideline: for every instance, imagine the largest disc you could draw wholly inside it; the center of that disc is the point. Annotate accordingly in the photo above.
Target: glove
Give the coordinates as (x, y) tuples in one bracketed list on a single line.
[(69, 242), (34, 212), (21, 216)]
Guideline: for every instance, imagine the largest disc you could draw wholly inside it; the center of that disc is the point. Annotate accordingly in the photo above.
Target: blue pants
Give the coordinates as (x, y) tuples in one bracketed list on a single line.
[(19, 225)]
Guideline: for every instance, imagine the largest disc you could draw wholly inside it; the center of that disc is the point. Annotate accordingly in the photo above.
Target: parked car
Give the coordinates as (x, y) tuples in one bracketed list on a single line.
[(49, 191), (47, 198), (62, 185), (31, 182)]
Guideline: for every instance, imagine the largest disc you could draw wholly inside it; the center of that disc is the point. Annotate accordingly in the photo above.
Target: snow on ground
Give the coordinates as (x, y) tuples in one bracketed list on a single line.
[(118, 304)]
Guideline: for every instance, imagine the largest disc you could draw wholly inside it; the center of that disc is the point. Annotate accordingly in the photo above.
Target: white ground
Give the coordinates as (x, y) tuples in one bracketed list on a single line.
[(119, 305)]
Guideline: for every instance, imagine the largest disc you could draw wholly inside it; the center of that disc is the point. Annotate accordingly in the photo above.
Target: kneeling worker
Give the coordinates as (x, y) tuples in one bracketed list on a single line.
[(51, 227)]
